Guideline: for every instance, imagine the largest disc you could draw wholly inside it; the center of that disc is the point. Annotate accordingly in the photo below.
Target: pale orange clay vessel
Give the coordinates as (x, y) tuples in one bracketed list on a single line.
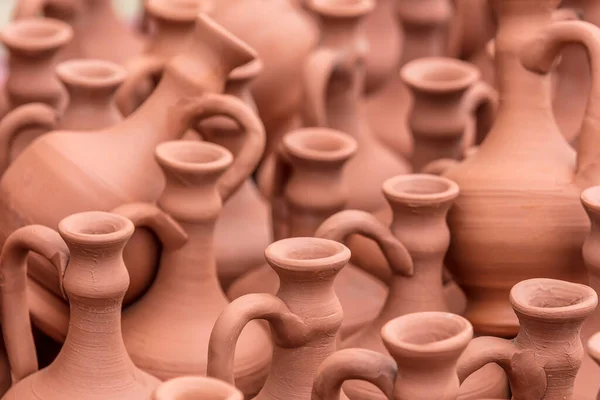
[(304, 317), (425, 348), (196, 388), (90, 85), (99, 34), (542, 361), (93, 362), (518, 215), (111, 166), (308, 189)]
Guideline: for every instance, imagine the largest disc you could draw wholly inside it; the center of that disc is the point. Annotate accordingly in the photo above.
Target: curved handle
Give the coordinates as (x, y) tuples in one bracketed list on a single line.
[(139, 71), (362, 364), (527, 378), (16, 324), (28, 116), (146, 215), (317, 73), (288, 330), (189, 111), (481, 100), (349, 222), (282, 173)]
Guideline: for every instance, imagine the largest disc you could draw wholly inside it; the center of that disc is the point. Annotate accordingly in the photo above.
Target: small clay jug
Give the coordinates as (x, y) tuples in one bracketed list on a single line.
[(542, 361), (196, 388), (304, 317), (425, 348), (90, 85), (446, 93), (93, 362), (538, 226), (308, 189)]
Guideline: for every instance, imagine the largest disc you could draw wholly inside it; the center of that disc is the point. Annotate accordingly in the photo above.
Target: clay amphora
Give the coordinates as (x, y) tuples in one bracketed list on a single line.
[(308, 189), (446, 92), (93, 362), (90, 85), (425, 27), (542, 361), (538, 226), (304, 317), (99, 34), (334, 80), (283, 34), (196, 388), (425, 348), (100, 162)]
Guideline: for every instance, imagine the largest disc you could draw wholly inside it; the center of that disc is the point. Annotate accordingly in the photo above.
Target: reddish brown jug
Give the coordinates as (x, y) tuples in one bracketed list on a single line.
[(304, 317), (198, 388), (542, 361), (93, 362)]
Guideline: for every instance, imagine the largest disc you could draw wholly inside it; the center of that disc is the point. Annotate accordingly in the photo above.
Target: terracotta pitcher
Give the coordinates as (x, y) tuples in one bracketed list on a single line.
[(425, 346), (304, 316), (93, 362), (308, 190), (115, 165), (99, 33), (518, 214), (90, 85), (198, 388), (542, 361)]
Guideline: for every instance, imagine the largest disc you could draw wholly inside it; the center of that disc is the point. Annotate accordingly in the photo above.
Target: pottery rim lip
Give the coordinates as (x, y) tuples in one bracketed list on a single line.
[(590, 198), (96, 228), (397, 189), (462, 333), (583, 299), (282, 254), (297, 143), (247, 71), (341, 9), (177, 11), (36, 34), (192, 156), (182, 387), (91, 73), (419, 73)]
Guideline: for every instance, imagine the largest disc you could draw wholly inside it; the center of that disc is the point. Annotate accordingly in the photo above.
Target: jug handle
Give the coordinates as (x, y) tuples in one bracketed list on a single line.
[(288, 330), (139, 71), (317, 73), (526, 377), (481, 100), (282, 172), (540, 56), (189, 111), (28, 116), (341, 225), (16, 323), (362, 364)]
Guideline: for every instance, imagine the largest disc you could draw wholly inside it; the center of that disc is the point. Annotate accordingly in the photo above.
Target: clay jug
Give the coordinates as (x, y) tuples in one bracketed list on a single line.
[(425, 347), (100, 162), (525, 164), (304, 317), (446, 92), (283, 34), (425, 27), (93, 362), (99, 33), (198, 388), (308, 189), (543, 359), (334, 81), (90, 85)]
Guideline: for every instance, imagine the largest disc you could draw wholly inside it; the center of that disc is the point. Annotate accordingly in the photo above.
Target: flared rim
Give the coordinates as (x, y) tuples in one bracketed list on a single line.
[(91, 73), (192, 156), (37, 34), (439, 74), (307, 253), (96, 227), (320, 144)]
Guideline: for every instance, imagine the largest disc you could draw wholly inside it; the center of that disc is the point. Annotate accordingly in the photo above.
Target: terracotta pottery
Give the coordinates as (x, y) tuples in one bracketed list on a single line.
[(334, 81), (115, 165), (446, 92), (304, 316), (308, 189), (93, 362), (99, 34), (90, 86), (196, 387), (425, 27), (542, 361), (283, 34), (537, 226)]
